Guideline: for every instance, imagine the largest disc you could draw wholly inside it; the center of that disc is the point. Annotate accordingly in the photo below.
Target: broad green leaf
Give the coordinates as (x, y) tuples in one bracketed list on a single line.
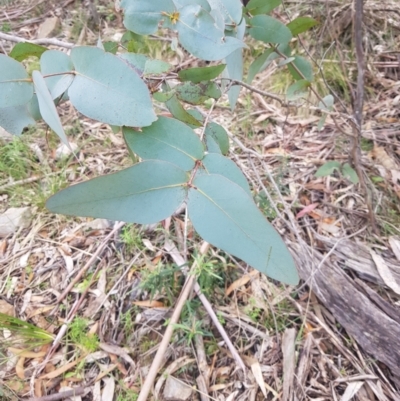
[(231, 10), (136, 61), (197, 93), (46, 106), (350, 173), (304, 66), (182, 3), (256, 7), (200, 37), (166, 139), (143, 16), (261, 63), (225, 216), (107, 89), (23, 50), (177, 110), (56, 62), (199, 74), (325, 104), (301, 24), (110, 46), (218, 133), (328, 169), (212, 145), (163, 96), (144, 193), (15, 86), (197, 115), (15, 119), (214, 163), (269, 30), (298, 89), (156, 67)]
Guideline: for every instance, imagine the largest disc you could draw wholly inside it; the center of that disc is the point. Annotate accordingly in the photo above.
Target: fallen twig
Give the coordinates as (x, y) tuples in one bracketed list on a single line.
[(44, 41), (59, 396)]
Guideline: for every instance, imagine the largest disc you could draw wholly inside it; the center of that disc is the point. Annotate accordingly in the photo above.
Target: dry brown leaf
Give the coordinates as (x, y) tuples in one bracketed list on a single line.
[(19, 368), (39, 311), (109, 388), (351, 390), (256, 369), (385, 272), (6, 308), (149, 304), (241, 282), (114, 349), (288, 351), (27, 354), (62, 369), (395, 245), (38, 388)]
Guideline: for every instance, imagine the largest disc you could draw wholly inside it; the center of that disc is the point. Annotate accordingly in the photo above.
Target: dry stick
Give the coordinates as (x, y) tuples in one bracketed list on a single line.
[(148, 383), (358, 108), (50, 41), (59, 396)]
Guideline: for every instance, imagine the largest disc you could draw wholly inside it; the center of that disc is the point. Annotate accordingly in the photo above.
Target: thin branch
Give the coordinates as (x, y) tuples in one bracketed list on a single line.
[(45, 41), (60, 396)]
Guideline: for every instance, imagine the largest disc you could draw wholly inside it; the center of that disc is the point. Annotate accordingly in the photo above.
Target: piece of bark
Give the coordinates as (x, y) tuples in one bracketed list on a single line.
[(373, 330)]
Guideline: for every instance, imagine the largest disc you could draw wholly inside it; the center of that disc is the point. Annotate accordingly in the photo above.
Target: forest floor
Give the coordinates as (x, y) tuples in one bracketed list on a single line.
[(106, 290)]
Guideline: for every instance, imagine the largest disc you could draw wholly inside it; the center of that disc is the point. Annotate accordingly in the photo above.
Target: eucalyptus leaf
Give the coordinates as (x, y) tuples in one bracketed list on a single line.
[(143, 16), (199, 74), (56, 62), (156, 67), (298, 89), (218, 133), (46, 106), (212, 145), (199, 35), (269, 30), (197, 115), (303, 66), (256, 7), (225, 216), (145, 193), (215, 163), (14, 119), (15, 86), (182, 3), (350, 173), (328, 169), (166, 139), (301, 24), (136, 61), (178, 111), (261, 63), (231, 10), (107, 89), (23, 50)]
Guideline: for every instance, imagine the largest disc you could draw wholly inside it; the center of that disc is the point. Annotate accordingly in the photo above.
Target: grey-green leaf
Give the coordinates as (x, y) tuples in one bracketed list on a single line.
[(144, 193), (256, 7), (328, 169), (178, 111), (261, 63), (143, 16), (225, 216), (298, 89), (199, 74), (15, 119), (350, 173), (56, 62), (199, 35), (230, 9), (303, 66), (156, 67), (301, 24), (107, 89), (197, 93), (218, 164), (46, 106), (166, 139), (269, 30), (218, 133), (15, 88)]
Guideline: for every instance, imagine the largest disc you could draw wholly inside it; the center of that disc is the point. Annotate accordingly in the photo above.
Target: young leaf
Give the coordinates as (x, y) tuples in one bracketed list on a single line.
[(256, 7), (143, 16), (106, 89), (166, 139), (144, 193), (261, 63), (46, 106), (225, 216), (15, 119), (199, 74), (197, 115), (305, 68), (298, 89), (197, 93), (218, 133), (301, 24), (200, 37), (110, 46), (217, 164), (15, 88), (56, 62), (269, 30), (177, 110), (23, 50), (327, 169), (350, 173)]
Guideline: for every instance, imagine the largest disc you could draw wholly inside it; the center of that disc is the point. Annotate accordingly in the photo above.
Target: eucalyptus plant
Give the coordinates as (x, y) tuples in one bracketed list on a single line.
[(177, 165)]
